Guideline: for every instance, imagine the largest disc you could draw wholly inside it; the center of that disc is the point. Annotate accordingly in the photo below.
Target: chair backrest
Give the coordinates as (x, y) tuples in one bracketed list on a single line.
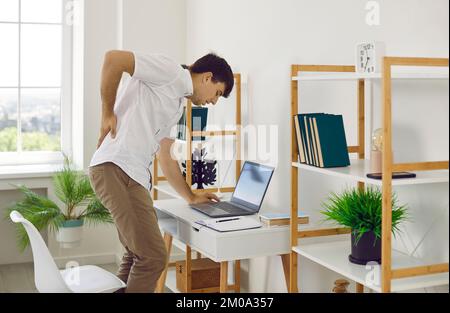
[(47, 277)]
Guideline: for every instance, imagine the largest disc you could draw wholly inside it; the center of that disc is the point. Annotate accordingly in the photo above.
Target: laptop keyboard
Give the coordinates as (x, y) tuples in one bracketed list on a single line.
[(227, 207), (222, 207)]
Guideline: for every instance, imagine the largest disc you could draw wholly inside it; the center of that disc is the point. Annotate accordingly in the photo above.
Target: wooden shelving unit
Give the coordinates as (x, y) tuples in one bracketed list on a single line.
[(398, 272), (156, 179)]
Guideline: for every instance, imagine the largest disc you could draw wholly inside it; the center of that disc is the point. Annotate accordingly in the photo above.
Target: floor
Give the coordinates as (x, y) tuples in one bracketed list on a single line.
[(19, 278)]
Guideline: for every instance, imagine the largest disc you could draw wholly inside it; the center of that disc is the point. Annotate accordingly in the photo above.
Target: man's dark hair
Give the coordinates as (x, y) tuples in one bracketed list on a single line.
[(219, 67)]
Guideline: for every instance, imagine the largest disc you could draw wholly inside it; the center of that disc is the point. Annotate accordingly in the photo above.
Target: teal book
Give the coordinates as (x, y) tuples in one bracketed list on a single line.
[(298, 136), (331, 141), (304, 136), (199, 123), (313, 141), (308, 139), (301, 123), (181, 126), (309, 146)]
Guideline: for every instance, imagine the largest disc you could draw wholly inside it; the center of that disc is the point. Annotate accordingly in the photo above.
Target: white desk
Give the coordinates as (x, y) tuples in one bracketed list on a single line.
[(177, 220)]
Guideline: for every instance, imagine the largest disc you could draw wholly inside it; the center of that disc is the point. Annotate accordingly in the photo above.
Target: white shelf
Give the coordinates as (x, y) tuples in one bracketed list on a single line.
[(435, 74), (360, 168), (334, 256)]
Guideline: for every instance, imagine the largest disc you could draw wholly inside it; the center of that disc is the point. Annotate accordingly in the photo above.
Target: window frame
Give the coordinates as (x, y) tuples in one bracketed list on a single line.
[(20, 157)]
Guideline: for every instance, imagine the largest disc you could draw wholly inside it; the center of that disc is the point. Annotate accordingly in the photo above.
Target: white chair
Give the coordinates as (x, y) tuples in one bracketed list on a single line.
[(48, 279)]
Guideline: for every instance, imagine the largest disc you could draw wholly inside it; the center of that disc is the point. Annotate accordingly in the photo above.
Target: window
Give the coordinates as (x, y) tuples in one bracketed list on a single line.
[(35, 71)]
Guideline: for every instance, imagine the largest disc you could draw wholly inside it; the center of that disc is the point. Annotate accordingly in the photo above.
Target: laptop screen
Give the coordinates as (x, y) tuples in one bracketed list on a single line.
[(252, 185)]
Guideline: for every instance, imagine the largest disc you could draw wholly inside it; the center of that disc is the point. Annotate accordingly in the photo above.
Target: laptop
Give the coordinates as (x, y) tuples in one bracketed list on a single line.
[(248, 195)]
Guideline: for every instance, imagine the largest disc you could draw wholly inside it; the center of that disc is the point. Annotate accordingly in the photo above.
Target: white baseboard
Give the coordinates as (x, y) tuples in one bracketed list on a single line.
[(118, 259), (98, 259)]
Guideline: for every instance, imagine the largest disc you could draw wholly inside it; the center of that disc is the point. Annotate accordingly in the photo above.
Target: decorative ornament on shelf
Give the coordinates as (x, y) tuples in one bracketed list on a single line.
[(341, 286), (203, 170), (377, 140), (376, 154), (369, 57)]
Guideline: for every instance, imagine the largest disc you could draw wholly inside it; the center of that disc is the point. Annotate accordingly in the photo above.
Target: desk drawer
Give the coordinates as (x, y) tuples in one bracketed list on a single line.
[(199, 239), (253, 244)]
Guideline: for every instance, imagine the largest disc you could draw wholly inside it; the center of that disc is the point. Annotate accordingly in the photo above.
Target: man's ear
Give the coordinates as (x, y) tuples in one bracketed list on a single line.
[(207, 77)]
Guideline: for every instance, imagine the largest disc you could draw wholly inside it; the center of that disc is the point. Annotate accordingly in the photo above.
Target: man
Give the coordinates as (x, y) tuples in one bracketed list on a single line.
[(136, 124)]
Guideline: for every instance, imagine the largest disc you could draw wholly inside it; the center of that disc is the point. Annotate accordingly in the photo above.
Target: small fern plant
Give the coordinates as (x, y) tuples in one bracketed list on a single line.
[(361, 210), (74, 190)]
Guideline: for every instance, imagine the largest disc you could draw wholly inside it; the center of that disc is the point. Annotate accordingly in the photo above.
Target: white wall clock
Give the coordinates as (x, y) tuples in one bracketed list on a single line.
[(369, 57)]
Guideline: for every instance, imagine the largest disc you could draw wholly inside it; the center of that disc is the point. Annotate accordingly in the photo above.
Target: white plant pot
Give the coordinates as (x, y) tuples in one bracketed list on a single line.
[(70, 235)]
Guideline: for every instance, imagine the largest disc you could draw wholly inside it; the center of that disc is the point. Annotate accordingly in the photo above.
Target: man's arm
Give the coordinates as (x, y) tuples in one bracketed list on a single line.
[(173, 174), (115, 64)]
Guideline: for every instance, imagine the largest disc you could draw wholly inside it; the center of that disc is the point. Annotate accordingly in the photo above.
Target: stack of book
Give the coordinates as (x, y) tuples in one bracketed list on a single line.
[(280, 219), (199, 122), (321, 140)]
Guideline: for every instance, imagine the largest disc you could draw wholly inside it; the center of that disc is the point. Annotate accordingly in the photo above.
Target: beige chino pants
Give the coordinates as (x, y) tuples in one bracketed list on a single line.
[(131, 207)]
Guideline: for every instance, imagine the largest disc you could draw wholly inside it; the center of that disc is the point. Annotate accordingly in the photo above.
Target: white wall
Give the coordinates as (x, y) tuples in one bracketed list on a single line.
[(155, 26), (262, 38), (100, 35)]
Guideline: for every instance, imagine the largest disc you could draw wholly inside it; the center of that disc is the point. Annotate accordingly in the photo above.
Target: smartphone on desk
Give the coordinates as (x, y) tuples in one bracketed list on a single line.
[(397, 175)]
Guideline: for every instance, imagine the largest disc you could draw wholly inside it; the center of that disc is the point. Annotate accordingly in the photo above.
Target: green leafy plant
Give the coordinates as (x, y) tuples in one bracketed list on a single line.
[(361, 210), (74, 190)]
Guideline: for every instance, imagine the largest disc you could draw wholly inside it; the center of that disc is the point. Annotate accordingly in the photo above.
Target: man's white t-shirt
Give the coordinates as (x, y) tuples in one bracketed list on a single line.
[(147, 106)]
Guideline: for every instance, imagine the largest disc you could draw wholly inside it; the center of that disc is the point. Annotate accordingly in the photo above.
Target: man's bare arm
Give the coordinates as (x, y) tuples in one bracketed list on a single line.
[(173, 174), (115, 64)]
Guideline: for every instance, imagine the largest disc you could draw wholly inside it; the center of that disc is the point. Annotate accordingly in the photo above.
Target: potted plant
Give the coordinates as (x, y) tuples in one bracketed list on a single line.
[(81, 206), (361, 210)]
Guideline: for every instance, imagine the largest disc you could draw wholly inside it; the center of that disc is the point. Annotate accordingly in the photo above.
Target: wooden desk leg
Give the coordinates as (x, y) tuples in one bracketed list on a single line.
[(285, 260), (359, 288), (188, 277), (162, 280), (237, 276), (223, 277)]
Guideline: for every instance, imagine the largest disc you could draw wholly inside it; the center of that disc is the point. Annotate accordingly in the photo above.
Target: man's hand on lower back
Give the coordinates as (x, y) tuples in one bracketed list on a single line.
[(109, 124)]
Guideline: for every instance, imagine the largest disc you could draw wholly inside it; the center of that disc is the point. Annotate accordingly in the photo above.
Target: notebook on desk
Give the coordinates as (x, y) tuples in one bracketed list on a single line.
[(230, 224)]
